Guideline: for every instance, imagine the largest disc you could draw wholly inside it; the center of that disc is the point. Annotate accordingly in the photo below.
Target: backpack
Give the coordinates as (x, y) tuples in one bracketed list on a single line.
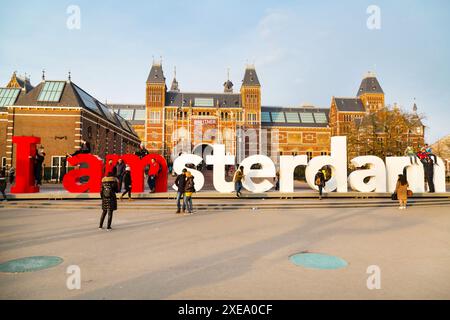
[(107, 192), (317, 182)]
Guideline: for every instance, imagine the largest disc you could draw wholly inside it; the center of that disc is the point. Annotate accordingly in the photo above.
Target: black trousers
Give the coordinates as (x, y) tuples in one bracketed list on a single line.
[(430, 183), (110, 216), (3, 193), (320, 190), (127, 190)]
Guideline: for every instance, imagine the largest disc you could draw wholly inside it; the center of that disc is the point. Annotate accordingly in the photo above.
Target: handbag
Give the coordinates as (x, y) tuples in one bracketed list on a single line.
[(409, 193), (394, 196)]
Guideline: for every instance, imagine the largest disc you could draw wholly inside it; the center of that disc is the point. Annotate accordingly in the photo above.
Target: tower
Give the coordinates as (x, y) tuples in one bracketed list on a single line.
[(251, 107), (370, 93), (154, 106)]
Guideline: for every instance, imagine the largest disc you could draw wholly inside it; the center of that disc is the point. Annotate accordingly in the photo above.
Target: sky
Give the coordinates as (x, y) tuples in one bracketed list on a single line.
[(303, 51)]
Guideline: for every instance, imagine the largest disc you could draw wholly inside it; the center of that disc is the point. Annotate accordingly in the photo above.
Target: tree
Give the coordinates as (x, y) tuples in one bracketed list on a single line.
[(385, 133)]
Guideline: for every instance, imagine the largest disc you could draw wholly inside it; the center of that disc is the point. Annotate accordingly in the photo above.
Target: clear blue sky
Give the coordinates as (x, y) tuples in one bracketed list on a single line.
[(304, 51)]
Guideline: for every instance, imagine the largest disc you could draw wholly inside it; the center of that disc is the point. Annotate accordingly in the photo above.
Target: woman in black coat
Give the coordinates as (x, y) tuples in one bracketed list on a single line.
[(109, 199)]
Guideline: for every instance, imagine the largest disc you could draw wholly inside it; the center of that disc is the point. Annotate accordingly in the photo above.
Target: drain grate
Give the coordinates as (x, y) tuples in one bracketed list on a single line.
[(30, 264), (318, 261)]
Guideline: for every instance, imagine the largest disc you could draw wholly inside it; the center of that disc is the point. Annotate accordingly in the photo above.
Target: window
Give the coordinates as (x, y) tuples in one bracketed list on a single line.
[(320, 117), (3, 162), (51, 91), (309, 154), (292, 117), (251, 118), (127, 114), (139, 114), (265, 117), (58, 168), (307, 117), (8, 96), (278, 117), (87, 100), (204, 102), (155, 117)]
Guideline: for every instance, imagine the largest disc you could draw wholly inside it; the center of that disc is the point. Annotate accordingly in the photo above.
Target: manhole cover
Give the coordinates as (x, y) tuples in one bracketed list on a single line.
[(30, 264), (318, 261)]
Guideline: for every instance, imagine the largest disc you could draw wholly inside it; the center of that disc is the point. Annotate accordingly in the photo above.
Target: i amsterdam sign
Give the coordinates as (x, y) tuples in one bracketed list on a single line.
[(379, 176)]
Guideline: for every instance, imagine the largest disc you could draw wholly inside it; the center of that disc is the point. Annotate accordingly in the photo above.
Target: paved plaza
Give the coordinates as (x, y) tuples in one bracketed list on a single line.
[(228, 254)]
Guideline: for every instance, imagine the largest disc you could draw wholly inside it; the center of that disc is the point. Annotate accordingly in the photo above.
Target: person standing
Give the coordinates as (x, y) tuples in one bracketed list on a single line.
[(152, 174), (12, 175), (277, 181), (120, 171), (319, 181), (109, 199), (237, 179), (428, 166), (401, 189), (180, 182), (38, 162), (127, 183), (3, 183), (189, 190)]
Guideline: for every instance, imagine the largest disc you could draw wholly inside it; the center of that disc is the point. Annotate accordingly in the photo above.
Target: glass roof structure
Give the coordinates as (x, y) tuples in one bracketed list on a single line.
[(51, 91), (8, 96)]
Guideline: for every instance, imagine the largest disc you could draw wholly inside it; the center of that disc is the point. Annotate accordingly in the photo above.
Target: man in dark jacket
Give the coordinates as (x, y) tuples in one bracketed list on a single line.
[(109, 200), (3, 183), (180, 182), (127, 182), (142, 151), (84, 148), (120, 171), (319, 180), (428, 166), (38, 163)]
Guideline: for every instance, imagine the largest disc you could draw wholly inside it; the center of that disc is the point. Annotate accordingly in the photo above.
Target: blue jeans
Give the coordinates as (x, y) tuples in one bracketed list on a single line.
[(180, 195), (238, 186), (188, 201)]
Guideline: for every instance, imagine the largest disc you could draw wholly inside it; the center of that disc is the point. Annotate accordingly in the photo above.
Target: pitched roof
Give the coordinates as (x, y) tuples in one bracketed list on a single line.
[(250, 77), (369, 84), (24, 83), (210, 100), (72, 96), (349, 104), (156, 74), (294, 117)]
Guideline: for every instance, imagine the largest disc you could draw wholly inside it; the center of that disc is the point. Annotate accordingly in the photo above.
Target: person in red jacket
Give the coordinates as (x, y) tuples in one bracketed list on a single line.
[(152, 174)]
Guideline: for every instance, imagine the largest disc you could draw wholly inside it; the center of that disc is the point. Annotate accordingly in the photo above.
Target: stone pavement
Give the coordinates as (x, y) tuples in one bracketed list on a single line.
[(229, 254)]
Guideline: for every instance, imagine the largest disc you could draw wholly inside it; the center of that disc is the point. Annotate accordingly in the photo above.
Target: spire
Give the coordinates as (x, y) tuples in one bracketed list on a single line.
[(369, 84), (228, 85), (156, 74), (174, 86), (43, 74), (415, 106), (250, 76), (69, 77)]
